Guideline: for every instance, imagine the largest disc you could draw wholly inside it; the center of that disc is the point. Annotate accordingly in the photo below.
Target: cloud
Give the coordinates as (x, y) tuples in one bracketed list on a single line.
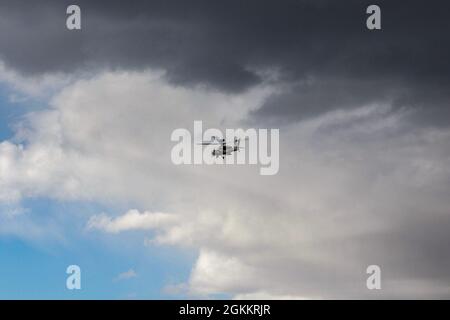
[(356, 186), (40, 86), (261, 295), (126, 275), (132, 220), (77, 140), (321, 50), (364, 131)]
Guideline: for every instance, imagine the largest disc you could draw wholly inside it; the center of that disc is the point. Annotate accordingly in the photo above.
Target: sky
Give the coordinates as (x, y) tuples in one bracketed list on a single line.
[(86, 178)]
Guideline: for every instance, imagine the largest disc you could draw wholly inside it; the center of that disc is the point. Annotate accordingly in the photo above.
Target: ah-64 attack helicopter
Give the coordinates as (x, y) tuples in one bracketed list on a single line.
[(224, 149)]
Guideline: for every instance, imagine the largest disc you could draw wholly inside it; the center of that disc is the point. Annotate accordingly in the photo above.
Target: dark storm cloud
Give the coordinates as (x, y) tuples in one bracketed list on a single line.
[(320, 95), (222, 44), (428, 103)]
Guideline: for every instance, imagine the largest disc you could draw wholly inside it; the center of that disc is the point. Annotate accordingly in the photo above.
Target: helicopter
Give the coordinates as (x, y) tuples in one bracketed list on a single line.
[(224, 149)]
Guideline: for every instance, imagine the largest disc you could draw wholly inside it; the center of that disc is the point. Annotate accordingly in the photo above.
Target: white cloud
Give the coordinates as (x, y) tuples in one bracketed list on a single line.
[(262, 295), (132, 220), (126, 275), (352, 189), (24, 87), (217, 273)]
